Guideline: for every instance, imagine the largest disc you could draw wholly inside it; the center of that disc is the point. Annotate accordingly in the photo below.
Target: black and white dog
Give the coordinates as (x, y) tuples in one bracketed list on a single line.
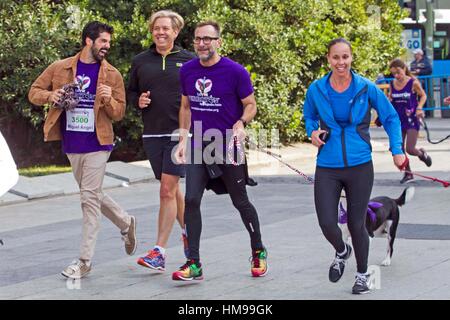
[(383, 216)]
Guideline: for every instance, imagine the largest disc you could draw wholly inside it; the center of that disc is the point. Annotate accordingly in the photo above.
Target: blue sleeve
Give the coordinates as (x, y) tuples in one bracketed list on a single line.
[(310, 113), (388, 117)]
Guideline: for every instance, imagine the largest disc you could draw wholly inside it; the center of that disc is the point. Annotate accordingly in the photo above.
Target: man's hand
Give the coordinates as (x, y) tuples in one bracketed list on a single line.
[(239, 131), (56, 95), (180, 153), (315, 138), (144, 100), (105, 93)]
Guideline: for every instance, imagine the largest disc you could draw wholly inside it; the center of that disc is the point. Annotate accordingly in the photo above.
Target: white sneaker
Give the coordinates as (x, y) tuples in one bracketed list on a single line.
[(77, 270)]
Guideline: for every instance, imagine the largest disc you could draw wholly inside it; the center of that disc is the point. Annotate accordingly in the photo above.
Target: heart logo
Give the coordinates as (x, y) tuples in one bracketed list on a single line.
[(84, 82), (203, 86)]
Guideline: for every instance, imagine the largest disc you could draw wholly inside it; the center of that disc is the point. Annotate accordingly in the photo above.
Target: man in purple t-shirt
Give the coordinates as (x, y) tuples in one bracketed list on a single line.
[(217, 98), (86, 133)]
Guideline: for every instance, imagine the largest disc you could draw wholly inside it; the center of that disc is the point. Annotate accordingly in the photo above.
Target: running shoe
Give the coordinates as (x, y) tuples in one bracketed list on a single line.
[(189, 271), (153, 260), (425, 158), (361, 285), (338, 265), (408, 177), (259, 266)]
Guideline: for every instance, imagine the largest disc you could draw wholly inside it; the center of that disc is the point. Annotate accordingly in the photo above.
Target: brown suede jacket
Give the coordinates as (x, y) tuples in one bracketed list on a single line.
[(63, 72)]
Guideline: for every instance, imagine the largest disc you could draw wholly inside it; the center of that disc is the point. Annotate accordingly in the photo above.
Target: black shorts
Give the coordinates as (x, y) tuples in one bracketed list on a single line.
[(159, 152)]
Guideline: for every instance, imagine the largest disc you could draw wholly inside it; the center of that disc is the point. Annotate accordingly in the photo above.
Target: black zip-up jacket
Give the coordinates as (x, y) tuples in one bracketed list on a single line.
[(150, 71)]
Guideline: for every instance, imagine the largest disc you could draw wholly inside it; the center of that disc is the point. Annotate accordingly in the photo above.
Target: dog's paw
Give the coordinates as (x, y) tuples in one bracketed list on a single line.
[(386, 262)]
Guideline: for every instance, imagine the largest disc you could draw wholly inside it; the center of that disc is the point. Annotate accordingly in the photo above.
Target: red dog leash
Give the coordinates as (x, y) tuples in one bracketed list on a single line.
[(445, 184), (278, 157)]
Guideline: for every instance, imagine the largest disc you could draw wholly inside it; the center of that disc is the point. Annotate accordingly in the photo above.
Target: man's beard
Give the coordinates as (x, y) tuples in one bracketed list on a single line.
[(95, 54), (207, 57)]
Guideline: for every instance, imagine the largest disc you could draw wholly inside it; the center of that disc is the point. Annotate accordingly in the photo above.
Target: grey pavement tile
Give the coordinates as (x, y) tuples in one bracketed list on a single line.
[(129, 172), (10, 198), (26, 187)]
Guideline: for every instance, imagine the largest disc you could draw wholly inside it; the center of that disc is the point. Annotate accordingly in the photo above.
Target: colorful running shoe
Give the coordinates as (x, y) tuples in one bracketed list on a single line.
[(189, 271), (259, 263), (185, 245), (153, 260)]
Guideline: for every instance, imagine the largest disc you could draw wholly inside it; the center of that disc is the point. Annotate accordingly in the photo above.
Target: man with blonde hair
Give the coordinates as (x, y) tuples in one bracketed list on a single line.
[(154, 89)]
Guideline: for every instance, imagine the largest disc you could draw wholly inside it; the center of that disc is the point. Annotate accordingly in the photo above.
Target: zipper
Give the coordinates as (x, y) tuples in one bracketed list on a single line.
[(344, 148), (363, 90), (164, 59)]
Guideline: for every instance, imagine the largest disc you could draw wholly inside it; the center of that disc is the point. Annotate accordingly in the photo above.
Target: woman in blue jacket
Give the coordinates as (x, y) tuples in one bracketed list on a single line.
[(337, 115)]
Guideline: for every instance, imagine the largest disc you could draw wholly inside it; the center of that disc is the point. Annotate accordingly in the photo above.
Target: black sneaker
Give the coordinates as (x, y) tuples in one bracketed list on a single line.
[(361, 285), (407, 178), (338, 265), (425, 158)]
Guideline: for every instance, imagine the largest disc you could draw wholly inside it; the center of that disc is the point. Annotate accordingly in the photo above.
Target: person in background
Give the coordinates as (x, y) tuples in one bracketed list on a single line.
[(421, 66), (408, 98)]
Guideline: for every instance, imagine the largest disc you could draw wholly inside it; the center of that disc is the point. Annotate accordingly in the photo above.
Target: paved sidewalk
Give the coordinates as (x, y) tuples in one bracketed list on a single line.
[(42, 236)]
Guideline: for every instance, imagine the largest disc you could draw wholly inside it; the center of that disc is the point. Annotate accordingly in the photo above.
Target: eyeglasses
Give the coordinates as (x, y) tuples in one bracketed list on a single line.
[(206, 40)]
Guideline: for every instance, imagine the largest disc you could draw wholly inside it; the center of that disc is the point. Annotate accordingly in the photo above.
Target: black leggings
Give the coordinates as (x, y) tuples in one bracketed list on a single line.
[(234, 179), (357, 182)]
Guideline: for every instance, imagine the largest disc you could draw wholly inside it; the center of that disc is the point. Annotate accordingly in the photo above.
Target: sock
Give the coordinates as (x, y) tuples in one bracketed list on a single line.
[(161, 249), (364, 274)]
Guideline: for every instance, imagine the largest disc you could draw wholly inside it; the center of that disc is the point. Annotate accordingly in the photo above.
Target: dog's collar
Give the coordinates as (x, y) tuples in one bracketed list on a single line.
[(370, 212)]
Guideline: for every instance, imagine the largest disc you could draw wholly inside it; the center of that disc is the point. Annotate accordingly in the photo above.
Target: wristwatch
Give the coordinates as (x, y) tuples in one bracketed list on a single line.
[(243, 122)]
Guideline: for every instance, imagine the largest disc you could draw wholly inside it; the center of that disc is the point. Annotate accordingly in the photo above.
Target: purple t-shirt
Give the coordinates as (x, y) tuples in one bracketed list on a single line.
[(78, 126), (215, 92)]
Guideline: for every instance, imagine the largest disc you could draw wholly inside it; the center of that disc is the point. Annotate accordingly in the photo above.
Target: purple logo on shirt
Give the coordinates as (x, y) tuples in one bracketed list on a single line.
[(84, 82), (203, 86)]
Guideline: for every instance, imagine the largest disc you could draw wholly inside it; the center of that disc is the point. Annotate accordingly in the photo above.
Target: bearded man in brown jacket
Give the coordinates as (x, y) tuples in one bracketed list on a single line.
[(83, 122)]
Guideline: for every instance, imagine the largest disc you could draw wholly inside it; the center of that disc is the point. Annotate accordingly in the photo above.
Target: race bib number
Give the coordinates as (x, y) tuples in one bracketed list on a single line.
[(80, 120)]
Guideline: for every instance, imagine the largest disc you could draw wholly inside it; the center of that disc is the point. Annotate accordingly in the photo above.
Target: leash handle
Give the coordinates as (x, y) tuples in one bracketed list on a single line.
[(234, 141), (404, 165)]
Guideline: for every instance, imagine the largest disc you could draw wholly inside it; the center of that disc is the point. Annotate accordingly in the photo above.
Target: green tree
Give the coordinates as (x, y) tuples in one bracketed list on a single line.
[(282, 43)]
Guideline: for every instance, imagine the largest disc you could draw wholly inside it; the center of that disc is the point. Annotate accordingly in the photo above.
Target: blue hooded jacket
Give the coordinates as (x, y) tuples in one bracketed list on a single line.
[(350, 145)]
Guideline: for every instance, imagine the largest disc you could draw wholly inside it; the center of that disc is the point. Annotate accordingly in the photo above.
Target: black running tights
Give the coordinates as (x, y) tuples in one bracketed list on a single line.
[(357, 182), (234, 178)]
